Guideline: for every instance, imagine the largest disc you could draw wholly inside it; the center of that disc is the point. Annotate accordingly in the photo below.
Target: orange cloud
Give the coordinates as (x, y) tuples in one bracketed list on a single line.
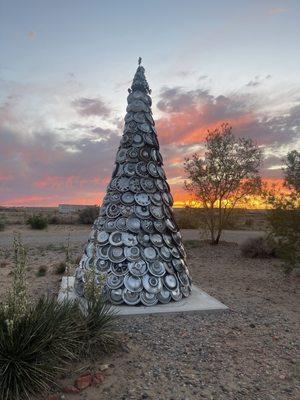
[(190, 127)]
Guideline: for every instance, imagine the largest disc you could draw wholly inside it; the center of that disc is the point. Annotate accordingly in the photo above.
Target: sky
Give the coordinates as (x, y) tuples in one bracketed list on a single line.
[(65, 67)]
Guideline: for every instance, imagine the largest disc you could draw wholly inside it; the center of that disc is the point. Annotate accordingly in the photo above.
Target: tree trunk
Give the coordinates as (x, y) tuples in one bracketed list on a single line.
[(218, 238), (212, 237)]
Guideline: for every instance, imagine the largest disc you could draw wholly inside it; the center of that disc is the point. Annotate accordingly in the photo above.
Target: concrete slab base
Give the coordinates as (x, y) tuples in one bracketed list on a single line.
[(198, 301)]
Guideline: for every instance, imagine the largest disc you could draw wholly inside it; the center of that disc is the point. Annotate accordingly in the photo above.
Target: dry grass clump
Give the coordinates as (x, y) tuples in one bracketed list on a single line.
[(2, 223), (259, 247), (88, 215), (60, 268)]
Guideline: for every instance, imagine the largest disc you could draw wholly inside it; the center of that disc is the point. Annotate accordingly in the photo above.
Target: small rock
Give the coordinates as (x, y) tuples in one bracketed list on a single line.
[(104, 367), (98, 378), (125, 348), (70, 389), (84, 381), (53, 397)]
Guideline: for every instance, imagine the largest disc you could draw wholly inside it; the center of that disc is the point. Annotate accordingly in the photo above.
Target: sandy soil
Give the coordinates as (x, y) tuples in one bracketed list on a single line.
[(247, 353)]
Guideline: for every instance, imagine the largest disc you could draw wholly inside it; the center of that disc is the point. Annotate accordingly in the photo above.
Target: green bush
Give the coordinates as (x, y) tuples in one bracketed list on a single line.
[(284, 222), (37, 222), (284, 217), (258, 247), (88, 215)]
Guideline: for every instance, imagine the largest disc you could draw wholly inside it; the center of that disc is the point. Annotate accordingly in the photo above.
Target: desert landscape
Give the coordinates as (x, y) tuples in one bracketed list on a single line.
[(149, 200), (249, 352)]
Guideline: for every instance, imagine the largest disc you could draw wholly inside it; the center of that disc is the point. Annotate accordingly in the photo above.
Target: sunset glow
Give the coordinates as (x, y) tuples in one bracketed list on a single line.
[(62, 105)]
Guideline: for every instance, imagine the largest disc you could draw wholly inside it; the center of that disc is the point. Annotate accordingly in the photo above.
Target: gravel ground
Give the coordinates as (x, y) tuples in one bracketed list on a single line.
[(248, 353)]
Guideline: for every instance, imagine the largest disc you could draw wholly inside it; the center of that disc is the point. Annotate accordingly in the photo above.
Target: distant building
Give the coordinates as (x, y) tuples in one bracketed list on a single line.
[(71, 208)]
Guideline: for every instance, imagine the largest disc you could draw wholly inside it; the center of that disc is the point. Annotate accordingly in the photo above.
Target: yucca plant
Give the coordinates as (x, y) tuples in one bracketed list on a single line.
[(34, 347), (98, 318), (99, 322), (37, 339)]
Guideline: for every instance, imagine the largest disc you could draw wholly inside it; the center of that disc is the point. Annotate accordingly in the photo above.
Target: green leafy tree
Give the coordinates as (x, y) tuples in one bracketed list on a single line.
[(227, 176), (292, 171), (284, 216)]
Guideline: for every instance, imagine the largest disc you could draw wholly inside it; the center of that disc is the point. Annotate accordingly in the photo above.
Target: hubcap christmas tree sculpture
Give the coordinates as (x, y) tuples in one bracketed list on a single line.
[(135, 246)]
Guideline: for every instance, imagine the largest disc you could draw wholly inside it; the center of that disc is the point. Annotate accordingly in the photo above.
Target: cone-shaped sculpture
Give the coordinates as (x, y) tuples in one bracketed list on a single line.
[(135, 244)]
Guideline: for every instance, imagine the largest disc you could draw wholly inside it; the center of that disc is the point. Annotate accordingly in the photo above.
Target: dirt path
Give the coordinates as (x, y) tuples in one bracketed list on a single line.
[(57, 234)]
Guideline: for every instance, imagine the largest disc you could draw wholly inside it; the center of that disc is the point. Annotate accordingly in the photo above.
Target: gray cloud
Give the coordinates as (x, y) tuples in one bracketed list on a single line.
[(177, 99), (91, 106), (258, 80), (47, 170)]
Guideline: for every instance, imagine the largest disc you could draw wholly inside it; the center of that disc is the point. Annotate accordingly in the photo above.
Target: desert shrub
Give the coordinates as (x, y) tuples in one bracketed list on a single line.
[(249, 223), (37, 222), (284, 217), (188, 218), (284, 222), (53, 220), (233, 220), (32, 336), (99, 318), (60, 268), (69, 219), (88, 215), (34, 346), (2, 223), (258, 247), (41, 271), (98, 329), (192, 244), (38, 339)]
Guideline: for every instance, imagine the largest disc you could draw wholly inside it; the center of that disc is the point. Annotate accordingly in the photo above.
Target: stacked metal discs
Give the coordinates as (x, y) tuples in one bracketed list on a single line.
[(135, 243)]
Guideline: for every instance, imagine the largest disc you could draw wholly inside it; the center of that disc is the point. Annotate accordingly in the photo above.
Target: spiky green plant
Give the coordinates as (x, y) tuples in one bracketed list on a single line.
[(34, 347), (99, 317), (99, 322), (37, 339), (34, 338)]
